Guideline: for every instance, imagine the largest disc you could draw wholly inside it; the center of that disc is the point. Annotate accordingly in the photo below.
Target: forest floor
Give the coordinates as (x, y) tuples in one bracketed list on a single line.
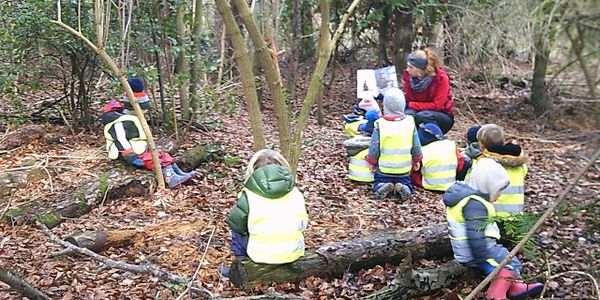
[(558, 144)]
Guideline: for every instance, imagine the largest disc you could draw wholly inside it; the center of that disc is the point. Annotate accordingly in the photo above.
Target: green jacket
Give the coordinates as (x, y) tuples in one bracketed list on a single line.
[(271, 181)]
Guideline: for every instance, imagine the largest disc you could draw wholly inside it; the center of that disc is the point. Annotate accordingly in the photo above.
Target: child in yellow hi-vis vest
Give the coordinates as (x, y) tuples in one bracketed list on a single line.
[(269, 218), (514, 161), (474, 238), (395, 149)]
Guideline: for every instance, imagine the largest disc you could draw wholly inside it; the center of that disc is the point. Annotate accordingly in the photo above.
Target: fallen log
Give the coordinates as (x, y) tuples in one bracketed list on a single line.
[(410, 283), (20, 285), (118, 183), (196, 156), (335, 259), (100, 240)]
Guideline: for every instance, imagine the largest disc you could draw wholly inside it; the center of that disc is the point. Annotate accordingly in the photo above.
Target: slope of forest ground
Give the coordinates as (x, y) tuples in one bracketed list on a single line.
[(558, 144)]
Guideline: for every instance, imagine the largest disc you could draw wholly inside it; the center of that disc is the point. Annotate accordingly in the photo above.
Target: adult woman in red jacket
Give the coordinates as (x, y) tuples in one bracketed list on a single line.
[(427, 90)]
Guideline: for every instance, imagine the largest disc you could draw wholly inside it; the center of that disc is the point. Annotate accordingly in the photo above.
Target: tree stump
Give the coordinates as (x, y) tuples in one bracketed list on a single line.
[(335, 259)]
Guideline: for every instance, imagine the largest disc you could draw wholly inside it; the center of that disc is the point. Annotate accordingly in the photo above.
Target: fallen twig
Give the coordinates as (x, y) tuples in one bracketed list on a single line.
[(199, 266), (592, 279), (534, 228)]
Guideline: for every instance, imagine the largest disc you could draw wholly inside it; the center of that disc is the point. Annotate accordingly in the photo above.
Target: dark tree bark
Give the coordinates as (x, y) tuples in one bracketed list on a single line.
[(20, 285), (335, 259), (403, 38)]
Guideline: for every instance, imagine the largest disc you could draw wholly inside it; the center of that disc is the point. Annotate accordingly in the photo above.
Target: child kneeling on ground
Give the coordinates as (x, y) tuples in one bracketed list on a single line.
[(269, 218), (394, 148), (474, 242)]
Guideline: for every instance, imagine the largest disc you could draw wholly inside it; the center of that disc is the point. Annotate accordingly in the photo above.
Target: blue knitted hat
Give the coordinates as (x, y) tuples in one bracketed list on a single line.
[(471, 134), (136, 84), (429, 132)]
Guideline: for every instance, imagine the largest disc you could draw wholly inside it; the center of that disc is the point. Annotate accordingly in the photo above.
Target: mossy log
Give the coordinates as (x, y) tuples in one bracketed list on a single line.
[(195, 157), (335, 259), (121, 182)]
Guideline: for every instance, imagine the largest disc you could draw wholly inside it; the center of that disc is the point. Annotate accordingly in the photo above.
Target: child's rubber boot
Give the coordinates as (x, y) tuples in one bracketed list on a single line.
[(403, 191), (181, 172), (499, 287), (172, 178), (521, 290), (383, 190)]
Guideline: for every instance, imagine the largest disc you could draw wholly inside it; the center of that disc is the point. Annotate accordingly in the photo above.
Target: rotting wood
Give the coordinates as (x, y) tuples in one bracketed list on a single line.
[(410, 283)]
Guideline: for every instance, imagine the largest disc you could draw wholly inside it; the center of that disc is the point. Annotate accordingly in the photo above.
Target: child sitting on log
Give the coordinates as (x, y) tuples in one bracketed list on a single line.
[(474, 237), (268, 221)]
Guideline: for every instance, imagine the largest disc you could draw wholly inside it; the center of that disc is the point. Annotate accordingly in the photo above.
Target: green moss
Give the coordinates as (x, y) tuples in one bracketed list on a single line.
[(13, 212), (103, 186), (50, 220)]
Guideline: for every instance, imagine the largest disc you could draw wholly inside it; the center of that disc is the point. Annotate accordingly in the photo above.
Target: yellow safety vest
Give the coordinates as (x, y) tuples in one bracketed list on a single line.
[(359, 169), (395, 143), (351, 129), (439, 165), (139, 144), (512, 200), (276, 227), (457, 228)]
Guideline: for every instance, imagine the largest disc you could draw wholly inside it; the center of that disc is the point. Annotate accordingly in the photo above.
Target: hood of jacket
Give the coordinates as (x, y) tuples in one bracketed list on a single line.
[(509, 155), (110, 116), (459, 191), (271, 181), (473, 150)]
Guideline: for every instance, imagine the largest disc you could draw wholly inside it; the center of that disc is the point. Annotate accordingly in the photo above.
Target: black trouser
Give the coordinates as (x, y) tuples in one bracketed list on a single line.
[(443, 120)]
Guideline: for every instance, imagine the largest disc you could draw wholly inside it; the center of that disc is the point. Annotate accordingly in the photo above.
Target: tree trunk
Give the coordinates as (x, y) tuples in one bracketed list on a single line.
[(382, 32), (315, 84), (578, 45), (403, 39), (324, 7), (197, 71), (247, 76), (335, 259), (271, 74), (181, 63), (296, 33), (538, 86), (20, 285), (410, 283)]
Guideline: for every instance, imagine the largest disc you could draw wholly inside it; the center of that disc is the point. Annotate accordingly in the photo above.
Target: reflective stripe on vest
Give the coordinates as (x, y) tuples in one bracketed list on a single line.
[(396, 140), (139, 144), (359, 169), (512, 199), (276, 227), (439, 165), (457, 228)]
